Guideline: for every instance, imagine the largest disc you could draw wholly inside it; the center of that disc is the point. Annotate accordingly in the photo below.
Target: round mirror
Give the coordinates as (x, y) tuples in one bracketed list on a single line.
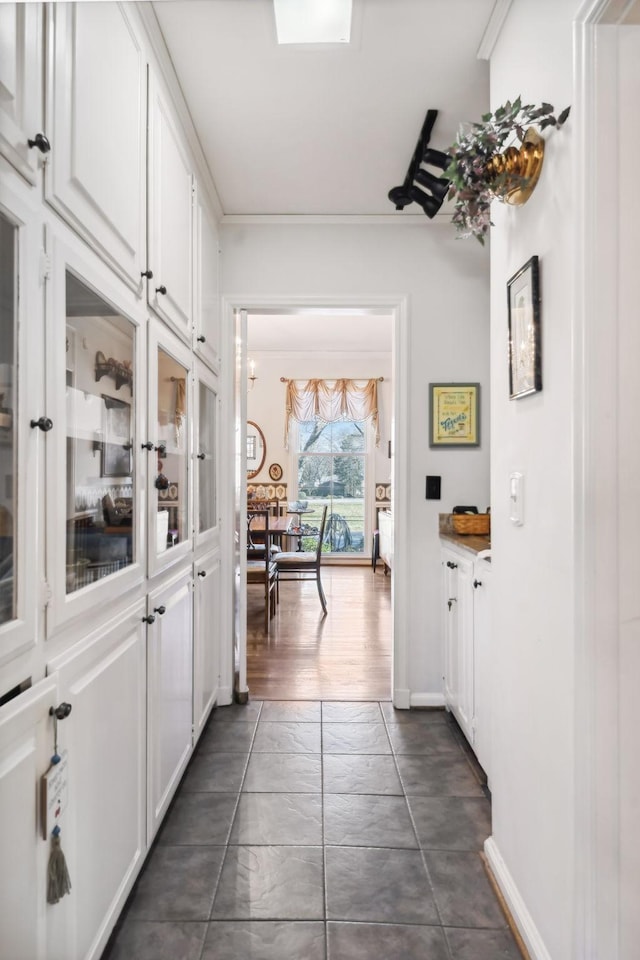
[(256, 450)]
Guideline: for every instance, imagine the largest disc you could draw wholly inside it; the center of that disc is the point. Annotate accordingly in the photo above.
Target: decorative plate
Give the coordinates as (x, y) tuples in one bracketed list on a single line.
[(275, 471)]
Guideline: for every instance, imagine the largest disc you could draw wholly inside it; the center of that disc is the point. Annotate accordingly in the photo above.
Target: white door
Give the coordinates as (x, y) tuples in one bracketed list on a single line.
[(206, 318), (206, 638), (170, 692), (21, 87), (26, 748), (97, 110), (170, 182)]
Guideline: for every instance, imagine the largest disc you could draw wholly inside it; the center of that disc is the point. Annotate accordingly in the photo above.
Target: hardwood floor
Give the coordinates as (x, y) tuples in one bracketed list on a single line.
[(343, 656)]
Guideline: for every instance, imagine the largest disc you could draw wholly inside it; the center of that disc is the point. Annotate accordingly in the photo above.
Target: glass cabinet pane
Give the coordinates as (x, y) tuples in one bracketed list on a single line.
[(8, 415), (206, 458), (100, 437), (171, 475)]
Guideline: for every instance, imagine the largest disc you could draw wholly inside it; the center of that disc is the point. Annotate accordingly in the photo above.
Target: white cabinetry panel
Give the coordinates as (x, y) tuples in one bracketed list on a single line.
[(483, 668), (21, 85), (458, 634), (170, 216), (26, 746), (170, 692), (96, 109), (206, 325), (104, 681), (207, 637)]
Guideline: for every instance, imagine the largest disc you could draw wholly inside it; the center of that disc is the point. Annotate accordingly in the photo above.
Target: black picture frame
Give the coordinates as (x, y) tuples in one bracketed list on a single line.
[(117, 447), (525, 347)]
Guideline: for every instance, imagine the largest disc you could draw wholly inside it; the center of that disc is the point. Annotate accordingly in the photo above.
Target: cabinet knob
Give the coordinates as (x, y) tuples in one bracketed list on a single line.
[(160, 610), (476, 584), (148, 274), (452, 565), (201, 339), (202, 573), (43, 424), (161, 289), (61, 712), (201, 456), (149, 619), (41, 142), (451, 601), (147, 446), (162, 449)]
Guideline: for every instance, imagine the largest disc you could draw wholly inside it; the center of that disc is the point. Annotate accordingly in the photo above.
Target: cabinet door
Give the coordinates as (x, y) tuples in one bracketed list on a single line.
[(450, 627), (21, 447), (96, 110), (484, 688), (26, 747), (169, 454), (21, 85), (104, 680), (170, 216), (206, 325), (205, 457), (207, 637), (170, 692), (465, 647)]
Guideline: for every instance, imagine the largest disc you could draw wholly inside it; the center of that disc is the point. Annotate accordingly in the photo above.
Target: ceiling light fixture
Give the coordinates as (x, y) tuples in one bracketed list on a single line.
[(313, 21)]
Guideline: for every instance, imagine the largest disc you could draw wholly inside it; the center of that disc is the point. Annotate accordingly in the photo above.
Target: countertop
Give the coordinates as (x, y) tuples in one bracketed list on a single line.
[(472, 542)]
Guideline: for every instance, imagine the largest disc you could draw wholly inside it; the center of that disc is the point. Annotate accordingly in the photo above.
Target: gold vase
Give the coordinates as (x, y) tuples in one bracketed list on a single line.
[(517, 170)]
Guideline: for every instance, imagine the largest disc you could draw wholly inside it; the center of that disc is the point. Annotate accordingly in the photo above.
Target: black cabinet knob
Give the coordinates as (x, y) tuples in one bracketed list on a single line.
[(476, 584), (43, 423), (148, 274), (201, 339), (161, 289), (149, 619), (201, 456), (147, 446), (161, 448), (41, 142), (452, 565), (202, 573), (61, 712), (160, 610)]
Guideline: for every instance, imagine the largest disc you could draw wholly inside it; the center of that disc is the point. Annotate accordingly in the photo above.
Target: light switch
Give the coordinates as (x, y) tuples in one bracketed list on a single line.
[(516, 499)]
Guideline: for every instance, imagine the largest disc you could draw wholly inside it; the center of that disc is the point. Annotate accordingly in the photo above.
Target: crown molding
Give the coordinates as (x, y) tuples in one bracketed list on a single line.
[(314, 219), (493, 28)]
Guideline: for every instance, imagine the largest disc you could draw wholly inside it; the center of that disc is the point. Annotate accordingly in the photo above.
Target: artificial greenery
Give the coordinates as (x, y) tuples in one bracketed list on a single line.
[(473, 185)]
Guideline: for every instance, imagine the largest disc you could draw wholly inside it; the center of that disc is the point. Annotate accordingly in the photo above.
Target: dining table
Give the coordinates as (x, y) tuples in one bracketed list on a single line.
[(278, 527)]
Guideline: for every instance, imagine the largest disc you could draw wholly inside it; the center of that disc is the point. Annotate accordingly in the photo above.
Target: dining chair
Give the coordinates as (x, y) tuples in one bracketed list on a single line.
[(261, 570), (305, 564), (260, 534)]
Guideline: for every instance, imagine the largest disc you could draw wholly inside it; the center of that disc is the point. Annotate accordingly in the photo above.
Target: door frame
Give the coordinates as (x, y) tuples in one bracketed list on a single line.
[(397, 307)]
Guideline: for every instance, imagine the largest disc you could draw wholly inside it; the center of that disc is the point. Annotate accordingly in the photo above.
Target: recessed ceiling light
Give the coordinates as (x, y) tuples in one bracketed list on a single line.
[(313, 21)]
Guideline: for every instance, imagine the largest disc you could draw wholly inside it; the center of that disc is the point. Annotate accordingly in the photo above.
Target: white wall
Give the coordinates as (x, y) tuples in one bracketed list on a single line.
[(446, 283), (533, 628)]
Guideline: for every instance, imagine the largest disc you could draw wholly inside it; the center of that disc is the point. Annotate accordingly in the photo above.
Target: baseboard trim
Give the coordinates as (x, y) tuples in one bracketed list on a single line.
[(525, 930), (401, 699), (427, 700)]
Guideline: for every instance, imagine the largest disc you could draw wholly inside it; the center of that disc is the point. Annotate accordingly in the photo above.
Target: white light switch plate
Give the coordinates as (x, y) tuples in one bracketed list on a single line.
[(516, 499)]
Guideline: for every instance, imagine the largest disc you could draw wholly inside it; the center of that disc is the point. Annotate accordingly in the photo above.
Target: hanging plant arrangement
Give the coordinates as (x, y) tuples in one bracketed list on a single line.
[(499, 157)]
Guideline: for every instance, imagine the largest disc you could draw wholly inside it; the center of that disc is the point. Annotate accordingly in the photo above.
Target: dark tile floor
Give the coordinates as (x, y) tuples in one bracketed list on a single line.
[(320, 831)]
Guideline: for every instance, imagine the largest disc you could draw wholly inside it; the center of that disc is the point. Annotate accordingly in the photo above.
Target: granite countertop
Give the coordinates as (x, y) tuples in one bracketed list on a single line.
[(473, 542)]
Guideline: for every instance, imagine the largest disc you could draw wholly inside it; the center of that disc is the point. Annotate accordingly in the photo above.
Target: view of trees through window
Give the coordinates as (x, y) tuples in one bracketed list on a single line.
[(331, 470)]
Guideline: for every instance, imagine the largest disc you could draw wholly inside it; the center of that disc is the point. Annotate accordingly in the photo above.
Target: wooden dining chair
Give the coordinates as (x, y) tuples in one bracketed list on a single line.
[(261, 570), (305, 564)]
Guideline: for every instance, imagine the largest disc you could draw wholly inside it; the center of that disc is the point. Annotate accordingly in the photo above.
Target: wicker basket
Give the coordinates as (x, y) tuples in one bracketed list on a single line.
[(469, 523)]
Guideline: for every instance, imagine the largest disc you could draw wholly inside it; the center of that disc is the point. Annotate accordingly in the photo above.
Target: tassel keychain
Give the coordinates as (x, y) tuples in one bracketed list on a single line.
[(58, 880), (54, 800)]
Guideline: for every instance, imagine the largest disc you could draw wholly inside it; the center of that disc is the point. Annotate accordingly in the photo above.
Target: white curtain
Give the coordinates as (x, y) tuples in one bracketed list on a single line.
[(331, 400)]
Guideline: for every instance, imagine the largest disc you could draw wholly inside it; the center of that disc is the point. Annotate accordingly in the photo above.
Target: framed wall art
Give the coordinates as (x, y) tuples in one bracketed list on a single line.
[(454, 414), (525, 361)]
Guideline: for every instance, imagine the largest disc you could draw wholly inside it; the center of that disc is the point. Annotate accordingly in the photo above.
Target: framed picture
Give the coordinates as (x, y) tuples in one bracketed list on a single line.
[(525, 363), (454, 415), (275, 471), (117, 446)]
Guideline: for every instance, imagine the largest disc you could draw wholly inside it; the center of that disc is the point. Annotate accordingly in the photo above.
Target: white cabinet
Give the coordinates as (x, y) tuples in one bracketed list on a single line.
[(170, 187), (206, 638), (104, 680), (26, 746), (483, 674), (458, 635), (206, 320), (170, 692), (205, 459), (21, 86), (96, 112), (385, 527)]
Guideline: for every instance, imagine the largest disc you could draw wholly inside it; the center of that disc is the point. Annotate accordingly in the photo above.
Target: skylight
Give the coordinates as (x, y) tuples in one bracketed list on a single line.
[(313, 21)]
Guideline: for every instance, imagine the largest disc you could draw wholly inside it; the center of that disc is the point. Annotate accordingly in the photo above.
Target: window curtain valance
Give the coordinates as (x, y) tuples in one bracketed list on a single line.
[(331, 400)]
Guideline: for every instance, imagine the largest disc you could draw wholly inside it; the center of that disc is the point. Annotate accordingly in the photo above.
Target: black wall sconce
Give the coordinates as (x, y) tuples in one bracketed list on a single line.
[(420, 186)]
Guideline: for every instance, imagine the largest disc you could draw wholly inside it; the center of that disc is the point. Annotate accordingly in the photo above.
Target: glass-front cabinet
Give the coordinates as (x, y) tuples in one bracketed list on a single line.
[(168, 448), (206, 420), (8, 420)]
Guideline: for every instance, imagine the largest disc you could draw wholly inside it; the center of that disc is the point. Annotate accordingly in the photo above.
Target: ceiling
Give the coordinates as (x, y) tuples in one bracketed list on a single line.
[(324, 130)]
